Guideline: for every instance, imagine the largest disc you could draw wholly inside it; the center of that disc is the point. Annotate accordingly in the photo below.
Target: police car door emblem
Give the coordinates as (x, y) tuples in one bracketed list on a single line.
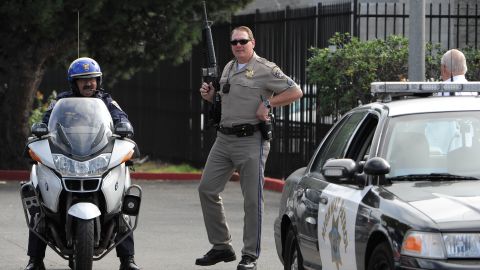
[(335, 237)]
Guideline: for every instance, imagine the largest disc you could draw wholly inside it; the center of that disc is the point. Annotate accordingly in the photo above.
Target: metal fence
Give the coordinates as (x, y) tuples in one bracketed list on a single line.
[(168, 113), (451, 25)]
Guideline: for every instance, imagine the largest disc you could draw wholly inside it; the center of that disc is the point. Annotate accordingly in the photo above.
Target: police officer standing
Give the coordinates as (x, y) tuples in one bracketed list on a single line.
[(249, 87), (85, 79)]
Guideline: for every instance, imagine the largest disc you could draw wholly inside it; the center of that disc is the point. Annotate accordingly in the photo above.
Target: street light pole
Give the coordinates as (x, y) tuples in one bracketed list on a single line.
[(416, 45)]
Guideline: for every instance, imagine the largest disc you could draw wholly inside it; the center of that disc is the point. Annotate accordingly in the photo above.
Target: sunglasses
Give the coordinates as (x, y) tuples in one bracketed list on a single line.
[(241, 41)]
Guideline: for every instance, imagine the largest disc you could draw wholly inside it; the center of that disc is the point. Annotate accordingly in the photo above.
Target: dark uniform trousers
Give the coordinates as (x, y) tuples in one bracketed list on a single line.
[(36, 247), (248, 155)]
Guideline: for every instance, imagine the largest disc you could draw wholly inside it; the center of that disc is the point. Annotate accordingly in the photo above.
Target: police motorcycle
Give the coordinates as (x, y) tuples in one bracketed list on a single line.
[(80, 199)]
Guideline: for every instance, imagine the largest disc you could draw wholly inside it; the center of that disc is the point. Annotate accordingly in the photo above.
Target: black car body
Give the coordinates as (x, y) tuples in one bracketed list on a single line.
[(393, 185)]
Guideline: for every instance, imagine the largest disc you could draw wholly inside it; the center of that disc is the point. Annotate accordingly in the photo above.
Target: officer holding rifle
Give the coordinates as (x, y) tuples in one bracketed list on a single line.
[(248, 87)]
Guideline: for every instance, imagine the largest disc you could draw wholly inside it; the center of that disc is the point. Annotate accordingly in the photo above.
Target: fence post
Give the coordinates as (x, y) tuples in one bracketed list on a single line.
[(355, 18), (416, 42)]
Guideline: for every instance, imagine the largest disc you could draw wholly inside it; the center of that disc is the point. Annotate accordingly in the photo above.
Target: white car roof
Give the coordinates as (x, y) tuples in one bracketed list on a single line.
[(433, 104)]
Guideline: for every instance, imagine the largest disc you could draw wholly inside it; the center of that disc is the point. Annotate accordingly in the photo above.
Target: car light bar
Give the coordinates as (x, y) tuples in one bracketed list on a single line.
[(422, 87)]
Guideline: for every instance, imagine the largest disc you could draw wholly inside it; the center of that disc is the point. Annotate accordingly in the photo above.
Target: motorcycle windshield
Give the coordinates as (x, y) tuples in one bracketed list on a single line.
[(80, 126)]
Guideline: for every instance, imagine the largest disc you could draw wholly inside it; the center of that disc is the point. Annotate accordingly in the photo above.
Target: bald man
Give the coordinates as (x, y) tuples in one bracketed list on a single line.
[(453, 69)]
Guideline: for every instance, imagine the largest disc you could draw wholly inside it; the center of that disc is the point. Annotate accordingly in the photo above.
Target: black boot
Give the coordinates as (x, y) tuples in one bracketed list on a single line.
[(128, 263), (247, 263), (215, 256), (35, 264)]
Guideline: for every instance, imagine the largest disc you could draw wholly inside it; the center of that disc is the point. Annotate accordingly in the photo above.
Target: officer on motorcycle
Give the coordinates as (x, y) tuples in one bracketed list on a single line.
[(85, 79)]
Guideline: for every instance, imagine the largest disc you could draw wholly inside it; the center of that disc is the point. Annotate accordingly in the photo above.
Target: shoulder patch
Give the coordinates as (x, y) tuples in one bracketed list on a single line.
[(290, 82), (114, 103), (277, 72)]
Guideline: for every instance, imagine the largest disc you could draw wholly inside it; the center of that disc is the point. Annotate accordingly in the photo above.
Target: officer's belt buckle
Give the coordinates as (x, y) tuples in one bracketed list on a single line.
[(244, 130)]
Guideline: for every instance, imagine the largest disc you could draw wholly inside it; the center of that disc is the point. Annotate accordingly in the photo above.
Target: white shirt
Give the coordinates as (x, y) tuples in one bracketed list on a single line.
[(458, 79)]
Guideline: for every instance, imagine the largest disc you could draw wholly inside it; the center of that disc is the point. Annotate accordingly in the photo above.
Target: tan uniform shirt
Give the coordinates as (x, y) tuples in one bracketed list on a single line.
[(258, 78)]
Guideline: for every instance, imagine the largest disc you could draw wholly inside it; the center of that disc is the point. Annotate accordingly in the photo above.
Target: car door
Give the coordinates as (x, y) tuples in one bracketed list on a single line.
[(309, 191), (338, 207)]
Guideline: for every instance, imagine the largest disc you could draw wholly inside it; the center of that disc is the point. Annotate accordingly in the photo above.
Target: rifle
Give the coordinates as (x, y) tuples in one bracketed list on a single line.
[(210, 73)]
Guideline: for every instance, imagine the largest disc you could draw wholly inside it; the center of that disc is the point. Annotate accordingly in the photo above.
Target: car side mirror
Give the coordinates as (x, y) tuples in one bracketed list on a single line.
[(124, 129), (340, 170), (378, 168), (39, 129)]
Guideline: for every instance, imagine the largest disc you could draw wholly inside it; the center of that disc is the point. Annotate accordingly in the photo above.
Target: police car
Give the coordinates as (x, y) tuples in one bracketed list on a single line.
[(395, 184)]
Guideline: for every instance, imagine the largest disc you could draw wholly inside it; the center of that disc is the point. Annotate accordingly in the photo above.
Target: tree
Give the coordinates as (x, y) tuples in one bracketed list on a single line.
[(124, 36)]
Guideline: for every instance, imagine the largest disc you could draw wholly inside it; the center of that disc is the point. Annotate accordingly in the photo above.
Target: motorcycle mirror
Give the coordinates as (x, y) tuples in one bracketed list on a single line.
[(124, 129), (39, 129)]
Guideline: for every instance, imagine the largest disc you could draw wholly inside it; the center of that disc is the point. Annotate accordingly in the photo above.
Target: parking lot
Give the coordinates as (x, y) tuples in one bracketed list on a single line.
[(170, 234)]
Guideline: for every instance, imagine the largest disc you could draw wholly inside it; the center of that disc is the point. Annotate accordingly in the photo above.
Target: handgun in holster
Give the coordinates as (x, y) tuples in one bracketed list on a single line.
[(266, 128)]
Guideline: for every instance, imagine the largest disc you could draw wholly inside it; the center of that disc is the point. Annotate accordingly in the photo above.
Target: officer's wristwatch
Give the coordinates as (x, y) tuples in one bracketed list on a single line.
[(266, 103)]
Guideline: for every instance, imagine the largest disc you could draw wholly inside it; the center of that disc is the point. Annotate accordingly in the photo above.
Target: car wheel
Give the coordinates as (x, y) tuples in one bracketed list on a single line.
[(292, 257), (382, 258)]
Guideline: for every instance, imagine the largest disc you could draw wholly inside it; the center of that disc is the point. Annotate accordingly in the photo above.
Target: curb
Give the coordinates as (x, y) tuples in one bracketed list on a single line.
[(270, 183)]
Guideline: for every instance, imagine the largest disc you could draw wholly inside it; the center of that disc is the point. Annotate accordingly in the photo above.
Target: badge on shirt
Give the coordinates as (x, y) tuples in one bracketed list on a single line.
[(277, 72), (249, 73)]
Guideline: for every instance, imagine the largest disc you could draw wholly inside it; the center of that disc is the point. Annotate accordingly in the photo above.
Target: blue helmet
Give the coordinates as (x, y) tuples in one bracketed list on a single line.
[(84, 67)]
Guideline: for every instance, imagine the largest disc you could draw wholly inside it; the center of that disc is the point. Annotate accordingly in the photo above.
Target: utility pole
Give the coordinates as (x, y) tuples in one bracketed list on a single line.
[(416, 45)]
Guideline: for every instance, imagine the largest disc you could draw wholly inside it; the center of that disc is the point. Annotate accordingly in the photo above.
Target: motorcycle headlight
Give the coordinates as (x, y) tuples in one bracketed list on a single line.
[(441, 246), (93, 167)]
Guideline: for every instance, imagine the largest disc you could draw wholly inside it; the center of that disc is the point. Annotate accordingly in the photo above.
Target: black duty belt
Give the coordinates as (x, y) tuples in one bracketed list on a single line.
[(242, 130)]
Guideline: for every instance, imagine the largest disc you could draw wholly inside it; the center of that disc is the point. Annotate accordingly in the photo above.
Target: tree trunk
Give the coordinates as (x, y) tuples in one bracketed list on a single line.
[(17, 90)]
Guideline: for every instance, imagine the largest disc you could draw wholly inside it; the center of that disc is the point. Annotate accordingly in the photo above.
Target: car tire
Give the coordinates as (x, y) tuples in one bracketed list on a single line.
[(292, 256), (381, 258)]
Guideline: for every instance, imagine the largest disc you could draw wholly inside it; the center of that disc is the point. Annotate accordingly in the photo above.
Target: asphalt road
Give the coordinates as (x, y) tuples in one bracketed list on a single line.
[(170, 234)]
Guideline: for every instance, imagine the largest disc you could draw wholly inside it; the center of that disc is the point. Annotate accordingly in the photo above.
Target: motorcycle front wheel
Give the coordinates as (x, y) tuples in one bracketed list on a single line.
[(83, 249)]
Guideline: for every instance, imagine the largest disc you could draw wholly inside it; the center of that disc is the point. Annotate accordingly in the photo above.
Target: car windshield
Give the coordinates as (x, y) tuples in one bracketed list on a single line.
[(80, 126), (446, 143)]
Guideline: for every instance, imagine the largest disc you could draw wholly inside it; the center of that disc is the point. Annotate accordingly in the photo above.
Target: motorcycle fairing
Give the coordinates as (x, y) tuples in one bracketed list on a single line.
[(121, 148), (112, 188), (41, 148), (80, 127), (49, 184)]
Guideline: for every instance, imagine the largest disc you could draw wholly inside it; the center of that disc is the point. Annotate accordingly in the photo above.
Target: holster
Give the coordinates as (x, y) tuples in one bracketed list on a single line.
[(266, 128)]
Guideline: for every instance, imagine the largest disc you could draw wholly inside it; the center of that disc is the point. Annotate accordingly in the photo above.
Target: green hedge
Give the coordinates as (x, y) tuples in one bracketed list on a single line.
[(343, 72)]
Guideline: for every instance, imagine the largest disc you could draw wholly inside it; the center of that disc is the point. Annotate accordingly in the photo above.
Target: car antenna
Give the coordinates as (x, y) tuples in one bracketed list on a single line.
[(78, 33), (451, 56)]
